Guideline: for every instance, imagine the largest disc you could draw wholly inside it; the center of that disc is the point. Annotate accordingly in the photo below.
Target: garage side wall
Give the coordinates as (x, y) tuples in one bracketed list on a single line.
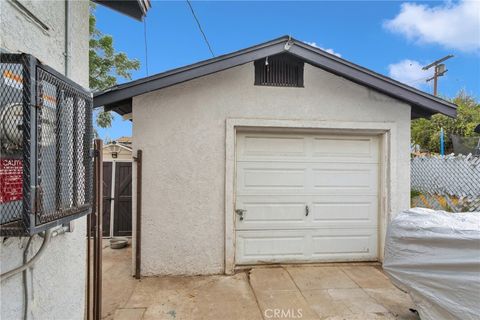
[(181, 130)]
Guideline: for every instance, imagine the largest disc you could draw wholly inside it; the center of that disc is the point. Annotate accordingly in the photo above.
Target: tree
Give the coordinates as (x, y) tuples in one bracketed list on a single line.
[(426, 132), (106, 64)]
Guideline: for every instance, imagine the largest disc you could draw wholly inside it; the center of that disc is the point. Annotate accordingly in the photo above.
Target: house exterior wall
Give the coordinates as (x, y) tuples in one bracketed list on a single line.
[(57, 281), (182, 132)]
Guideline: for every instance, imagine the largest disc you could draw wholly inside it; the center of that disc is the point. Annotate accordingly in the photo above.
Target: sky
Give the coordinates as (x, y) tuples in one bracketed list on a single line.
[(393, 38)]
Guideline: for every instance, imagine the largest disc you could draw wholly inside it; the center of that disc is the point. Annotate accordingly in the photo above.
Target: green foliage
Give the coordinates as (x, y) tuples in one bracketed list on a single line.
[(426, 132), (414, 193), (106, 64)]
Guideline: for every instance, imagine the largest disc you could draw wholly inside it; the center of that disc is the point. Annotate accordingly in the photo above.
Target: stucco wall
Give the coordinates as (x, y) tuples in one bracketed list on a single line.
[(181, 130), (57, 280)]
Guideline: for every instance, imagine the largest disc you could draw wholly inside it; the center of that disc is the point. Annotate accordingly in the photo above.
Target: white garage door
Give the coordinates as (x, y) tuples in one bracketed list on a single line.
[(308, 197)]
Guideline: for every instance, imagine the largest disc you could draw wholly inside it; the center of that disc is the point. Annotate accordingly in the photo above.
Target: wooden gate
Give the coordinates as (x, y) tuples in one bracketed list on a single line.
[(117, 199), (122, 218)]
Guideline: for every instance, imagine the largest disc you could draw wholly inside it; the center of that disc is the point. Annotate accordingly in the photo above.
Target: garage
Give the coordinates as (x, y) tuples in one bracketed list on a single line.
[(277, 153), (306, 197)]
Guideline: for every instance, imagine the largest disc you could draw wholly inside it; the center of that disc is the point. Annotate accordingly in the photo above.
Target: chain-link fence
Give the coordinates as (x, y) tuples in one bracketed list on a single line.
[(450, 183)]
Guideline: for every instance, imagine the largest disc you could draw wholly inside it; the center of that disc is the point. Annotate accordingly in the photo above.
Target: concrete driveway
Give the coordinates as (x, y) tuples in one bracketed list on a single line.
[(333, 291)]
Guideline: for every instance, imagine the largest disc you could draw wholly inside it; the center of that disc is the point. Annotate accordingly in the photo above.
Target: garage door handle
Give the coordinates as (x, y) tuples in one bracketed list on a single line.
[(307, 210), (240, 212)]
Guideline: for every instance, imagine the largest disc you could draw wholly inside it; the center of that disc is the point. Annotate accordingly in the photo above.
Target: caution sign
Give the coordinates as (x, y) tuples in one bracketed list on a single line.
[(11, 180)]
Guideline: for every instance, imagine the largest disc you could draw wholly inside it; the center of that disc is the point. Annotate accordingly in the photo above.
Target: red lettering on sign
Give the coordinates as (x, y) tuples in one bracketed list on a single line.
[(11, 180)]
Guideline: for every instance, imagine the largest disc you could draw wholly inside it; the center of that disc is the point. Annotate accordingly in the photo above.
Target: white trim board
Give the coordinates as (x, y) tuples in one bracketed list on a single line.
[(388, 183)]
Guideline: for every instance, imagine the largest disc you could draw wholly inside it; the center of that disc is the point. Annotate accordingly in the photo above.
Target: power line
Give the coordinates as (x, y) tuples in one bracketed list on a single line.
[(145, 42), (200, 27), (422, 79)]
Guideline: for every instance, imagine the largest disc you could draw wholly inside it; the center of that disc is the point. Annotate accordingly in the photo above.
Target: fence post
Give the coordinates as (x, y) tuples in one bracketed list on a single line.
[(94, 268), (99, 229), (442, 142), (138, 229)]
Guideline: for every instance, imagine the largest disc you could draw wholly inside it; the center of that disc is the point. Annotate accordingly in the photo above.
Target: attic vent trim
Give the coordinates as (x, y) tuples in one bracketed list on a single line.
[(282, 70)]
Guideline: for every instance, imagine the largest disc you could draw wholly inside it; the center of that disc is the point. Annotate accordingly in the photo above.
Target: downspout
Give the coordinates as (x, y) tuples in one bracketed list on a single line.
[(66, 52)]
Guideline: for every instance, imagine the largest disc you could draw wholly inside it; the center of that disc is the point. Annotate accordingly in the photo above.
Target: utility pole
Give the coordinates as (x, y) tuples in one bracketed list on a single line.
[(440, 70)]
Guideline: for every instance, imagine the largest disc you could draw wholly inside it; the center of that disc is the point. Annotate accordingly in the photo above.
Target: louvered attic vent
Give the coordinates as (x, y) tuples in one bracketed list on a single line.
[(282, 70)]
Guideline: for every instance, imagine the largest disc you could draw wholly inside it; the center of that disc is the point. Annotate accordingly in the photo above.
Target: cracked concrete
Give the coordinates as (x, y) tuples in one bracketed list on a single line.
[(330, 291)]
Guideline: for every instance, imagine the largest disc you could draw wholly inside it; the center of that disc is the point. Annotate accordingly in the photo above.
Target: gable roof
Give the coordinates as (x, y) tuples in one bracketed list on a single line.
[(119, 98), (121, 146)]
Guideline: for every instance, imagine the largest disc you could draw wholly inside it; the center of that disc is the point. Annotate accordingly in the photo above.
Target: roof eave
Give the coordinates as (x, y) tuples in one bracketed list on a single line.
[(136, 9), (390, 87)]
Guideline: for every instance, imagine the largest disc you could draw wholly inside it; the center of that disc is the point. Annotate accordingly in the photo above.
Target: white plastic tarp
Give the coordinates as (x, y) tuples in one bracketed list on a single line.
[(435, 257)]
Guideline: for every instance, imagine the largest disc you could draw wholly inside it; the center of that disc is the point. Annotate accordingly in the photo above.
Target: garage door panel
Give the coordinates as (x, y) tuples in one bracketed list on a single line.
[(360, 149), (277, 178), (263, 213), (273, 243), (345, 210), (275, 246), (269, 246), (271, 178), (251, 145), (363, 179), (345, 243)]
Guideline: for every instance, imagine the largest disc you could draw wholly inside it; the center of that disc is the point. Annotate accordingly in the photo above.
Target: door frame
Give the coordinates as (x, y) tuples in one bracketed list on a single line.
[(388, 162), (112, 203)]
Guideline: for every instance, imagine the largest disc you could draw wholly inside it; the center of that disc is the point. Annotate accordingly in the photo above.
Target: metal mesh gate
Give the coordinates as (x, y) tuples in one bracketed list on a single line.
[(46, 136)]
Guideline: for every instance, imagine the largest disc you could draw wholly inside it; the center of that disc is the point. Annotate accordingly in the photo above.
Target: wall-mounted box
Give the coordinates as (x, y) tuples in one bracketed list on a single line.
[(46, 163)]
